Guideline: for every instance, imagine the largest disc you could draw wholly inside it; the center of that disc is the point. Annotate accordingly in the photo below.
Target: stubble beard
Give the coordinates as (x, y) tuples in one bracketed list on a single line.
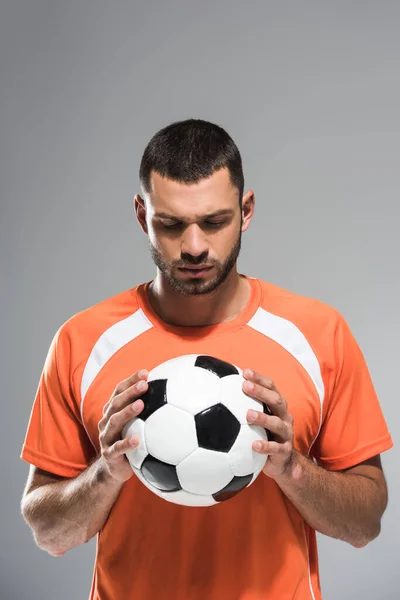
[(194, 287)]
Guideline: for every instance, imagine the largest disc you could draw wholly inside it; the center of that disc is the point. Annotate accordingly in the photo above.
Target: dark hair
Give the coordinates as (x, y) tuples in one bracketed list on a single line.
[(187, 151)]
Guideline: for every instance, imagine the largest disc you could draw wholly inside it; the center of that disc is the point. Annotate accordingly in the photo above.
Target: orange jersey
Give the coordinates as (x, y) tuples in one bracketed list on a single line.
[(255, 546)]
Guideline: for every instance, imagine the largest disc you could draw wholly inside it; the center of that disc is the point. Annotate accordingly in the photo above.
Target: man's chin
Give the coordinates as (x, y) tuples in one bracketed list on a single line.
[(194, 288)]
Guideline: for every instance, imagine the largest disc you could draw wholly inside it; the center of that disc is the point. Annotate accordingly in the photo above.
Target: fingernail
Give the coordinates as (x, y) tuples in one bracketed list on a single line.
[(249, 372), (257, 445), (253, 415), (141, 386), (136, 406), (142, 373), (249, 385)]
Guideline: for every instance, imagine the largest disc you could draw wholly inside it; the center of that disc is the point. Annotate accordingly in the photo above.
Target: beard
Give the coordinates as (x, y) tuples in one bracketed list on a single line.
[(196, 287)]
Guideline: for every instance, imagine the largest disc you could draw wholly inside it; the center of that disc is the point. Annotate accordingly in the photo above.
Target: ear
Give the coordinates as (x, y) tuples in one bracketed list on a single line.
[(248, 203), (140, 210)]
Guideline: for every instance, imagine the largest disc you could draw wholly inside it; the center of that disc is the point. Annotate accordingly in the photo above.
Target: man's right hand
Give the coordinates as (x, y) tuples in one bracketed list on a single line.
[(124, 404)]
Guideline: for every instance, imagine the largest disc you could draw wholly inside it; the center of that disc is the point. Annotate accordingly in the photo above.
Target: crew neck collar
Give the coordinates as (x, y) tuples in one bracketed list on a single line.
[(206, 330)]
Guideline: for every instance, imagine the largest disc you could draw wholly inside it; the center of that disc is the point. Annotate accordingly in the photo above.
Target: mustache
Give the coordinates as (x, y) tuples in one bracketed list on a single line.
[(189, 260)]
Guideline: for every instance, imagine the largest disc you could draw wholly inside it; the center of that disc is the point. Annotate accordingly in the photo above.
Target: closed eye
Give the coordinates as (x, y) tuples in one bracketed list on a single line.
[(214, 223), (172, 225), (179, 224)]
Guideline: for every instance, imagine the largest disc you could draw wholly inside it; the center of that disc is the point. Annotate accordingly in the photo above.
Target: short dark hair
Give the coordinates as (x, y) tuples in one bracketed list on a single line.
[(188, 151)]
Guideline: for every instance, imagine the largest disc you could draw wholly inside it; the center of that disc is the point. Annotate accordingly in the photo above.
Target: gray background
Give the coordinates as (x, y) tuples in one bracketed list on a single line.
[(310, 92)]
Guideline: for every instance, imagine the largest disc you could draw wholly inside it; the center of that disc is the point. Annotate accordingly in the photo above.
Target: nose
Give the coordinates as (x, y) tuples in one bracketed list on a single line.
[(194, 242)]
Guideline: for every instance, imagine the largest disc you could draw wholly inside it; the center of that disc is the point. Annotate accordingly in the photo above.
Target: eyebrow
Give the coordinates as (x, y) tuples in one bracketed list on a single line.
[(217, 213)]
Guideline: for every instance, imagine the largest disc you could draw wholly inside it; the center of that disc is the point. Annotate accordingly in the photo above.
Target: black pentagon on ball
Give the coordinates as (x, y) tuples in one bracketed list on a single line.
[(159, 474), (217, 428), (154, 398), (216, 366), (234, 487)]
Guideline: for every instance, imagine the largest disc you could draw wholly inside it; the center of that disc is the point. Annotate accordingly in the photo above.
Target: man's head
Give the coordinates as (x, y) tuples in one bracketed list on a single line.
[(192, 206)]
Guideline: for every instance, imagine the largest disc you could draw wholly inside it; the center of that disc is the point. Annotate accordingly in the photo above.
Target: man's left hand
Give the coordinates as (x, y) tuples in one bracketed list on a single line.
[(279, 423)]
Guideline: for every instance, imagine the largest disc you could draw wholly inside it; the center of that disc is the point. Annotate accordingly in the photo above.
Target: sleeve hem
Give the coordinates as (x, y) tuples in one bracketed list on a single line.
[(357, 456), (47, 463)]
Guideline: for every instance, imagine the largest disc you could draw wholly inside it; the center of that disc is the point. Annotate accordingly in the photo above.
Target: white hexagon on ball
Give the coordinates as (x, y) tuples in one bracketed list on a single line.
[(242, 458), (234, 398), (204, 389), (170, 434), (180, 496), (164, 370), (137, 455), (204, 472)]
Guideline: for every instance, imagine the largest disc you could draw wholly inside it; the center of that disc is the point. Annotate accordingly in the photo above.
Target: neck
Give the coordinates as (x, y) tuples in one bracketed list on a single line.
[(223, 304)]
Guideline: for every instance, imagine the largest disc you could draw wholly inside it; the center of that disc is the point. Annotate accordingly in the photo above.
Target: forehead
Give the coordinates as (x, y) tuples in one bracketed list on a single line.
[(191, 200)]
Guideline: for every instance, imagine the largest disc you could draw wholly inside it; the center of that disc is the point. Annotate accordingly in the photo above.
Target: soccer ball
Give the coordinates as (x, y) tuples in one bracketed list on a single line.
[(195, 443)]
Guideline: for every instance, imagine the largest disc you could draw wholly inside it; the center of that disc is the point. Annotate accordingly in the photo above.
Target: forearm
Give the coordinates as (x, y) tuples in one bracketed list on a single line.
[(341, 505), (68, 513)]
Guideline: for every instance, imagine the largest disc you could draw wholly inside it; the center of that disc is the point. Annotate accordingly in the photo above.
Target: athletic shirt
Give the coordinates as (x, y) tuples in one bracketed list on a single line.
[(255, 546)]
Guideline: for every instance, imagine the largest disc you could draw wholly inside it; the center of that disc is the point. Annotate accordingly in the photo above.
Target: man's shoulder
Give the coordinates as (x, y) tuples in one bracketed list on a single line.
[(93, 321), (306, 312)]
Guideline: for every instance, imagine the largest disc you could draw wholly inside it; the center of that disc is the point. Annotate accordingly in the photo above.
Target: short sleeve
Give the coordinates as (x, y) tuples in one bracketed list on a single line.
[(353, 427), (56, 439)]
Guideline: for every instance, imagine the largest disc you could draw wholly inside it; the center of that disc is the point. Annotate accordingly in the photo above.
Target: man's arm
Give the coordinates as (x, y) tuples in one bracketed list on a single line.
[(344, 505), (64, 514), (68, 513)]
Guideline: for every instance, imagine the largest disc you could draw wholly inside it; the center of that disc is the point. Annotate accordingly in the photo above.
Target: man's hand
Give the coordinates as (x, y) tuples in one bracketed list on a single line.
[(344, 506), (279, 423), (124, 404)]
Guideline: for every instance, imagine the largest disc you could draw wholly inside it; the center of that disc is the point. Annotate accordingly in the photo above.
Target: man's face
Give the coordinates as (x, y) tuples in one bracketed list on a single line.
[(194, 231)]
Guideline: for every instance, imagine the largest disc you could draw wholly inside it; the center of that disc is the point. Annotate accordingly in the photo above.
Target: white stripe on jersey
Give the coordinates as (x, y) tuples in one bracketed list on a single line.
[(112, 340)]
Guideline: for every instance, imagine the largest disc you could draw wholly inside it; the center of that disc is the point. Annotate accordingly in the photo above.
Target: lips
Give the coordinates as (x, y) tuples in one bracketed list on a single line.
[(197, 271), (196, 268)]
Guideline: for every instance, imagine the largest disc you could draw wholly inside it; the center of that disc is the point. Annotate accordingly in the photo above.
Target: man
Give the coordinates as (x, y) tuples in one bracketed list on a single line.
[(323, 472)]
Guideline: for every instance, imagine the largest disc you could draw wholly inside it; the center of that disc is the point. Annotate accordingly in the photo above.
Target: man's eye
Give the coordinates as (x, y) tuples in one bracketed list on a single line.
[(179, 225), (214, 223), (172, 225)]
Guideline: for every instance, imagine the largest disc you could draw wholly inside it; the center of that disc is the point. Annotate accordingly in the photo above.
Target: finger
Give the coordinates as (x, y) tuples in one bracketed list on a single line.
[(118, 420), (125, 385), (114, 452), (131, 394), (272, 448), (271, 398), (260, 379), (274, 424), (131, 380)]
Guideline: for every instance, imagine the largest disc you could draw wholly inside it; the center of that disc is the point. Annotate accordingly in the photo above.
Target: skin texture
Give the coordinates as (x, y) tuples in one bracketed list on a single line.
[(188, 226), (198, 235), (346, 505), (64, 513)]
